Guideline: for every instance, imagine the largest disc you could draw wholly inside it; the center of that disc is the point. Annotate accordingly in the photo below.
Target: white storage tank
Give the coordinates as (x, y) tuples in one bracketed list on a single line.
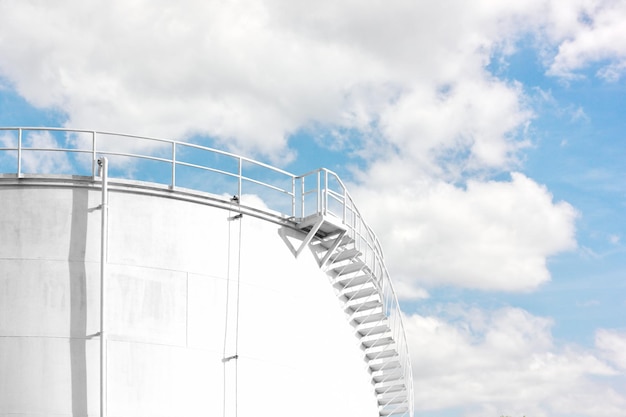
[(122, 297)]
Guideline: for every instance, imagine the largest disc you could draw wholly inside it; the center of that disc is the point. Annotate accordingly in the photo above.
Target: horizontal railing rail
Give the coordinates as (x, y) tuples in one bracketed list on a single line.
[(38, 150), (44, 150)]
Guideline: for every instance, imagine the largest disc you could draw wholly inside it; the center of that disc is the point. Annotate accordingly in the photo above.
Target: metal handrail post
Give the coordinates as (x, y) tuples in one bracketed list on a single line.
[(302, 200), (325, 195), (319, 192), (173, 183), (293, 196), (94, 159), (19, 153), (344, 202), (239, 186)]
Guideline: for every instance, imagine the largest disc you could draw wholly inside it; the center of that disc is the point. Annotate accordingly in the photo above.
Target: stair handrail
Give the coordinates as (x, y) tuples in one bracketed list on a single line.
[(358, 229)]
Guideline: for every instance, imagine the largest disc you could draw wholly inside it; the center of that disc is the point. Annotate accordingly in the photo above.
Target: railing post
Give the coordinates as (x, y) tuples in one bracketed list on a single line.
[(293, 196), (173, 183), (239, 185), (19, 153), (94, 159), (323, 192), (345, 203), (319, 192), (302, 199), (326, 192)]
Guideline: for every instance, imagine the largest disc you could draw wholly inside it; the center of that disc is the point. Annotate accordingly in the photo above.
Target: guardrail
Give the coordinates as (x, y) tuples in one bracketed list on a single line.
[(40, 150), (332, 198)]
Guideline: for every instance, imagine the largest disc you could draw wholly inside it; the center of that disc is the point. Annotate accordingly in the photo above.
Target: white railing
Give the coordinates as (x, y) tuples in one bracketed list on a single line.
[(27, 151), (332, 199)]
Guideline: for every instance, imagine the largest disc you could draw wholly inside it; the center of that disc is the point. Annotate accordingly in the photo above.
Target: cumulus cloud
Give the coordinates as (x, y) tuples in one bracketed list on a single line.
[(35, 158), (505, 362), (612, 344), (596, 36), (250, 74), (219, 68), (490, 235), (468, 126)]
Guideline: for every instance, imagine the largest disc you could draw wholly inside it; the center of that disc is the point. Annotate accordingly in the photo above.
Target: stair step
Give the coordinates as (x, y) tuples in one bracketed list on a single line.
[(385, 365), (373, 354), (380, 341), (327, 242), (347, 281), (372, 330), (389, 387), (329, 224), (345, 254), (389, 376), (368, 317), (355, 292), (372, 298), (398, 399), (348, 267), (393, 397), (397, 410), (361, 305)]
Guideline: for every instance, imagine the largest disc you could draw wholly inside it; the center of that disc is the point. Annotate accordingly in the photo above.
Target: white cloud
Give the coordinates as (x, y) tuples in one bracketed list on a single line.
[(251, 73), (505, 362), (613, 346), (466, 126), (224, 69), (579, 115), (490, 235), (598, 36), (614, 239), (44, 161), (41, 161)]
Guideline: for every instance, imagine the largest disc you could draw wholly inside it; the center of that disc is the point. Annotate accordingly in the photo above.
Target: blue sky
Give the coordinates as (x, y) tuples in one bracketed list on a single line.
[(483, 141)]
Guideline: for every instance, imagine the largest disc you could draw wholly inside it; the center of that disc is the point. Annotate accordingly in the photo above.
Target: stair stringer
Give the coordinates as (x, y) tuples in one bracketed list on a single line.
[(360, 293)]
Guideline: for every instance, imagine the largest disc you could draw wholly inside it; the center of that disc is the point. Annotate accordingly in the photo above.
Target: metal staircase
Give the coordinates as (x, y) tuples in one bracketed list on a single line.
[(371, 312)]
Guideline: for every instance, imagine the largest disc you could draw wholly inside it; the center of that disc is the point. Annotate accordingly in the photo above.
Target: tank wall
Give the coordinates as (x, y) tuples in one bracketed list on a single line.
[(173, 269)]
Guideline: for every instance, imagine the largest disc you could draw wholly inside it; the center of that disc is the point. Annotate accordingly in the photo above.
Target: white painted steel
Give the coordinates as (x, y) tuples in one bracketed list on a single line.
[(327, 192), (104, 240), (166, 279)]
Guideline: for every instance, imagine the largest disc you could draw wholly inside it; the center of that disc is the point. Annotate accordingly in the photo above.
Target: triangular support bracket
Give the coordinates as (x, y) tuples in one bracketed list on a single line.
[(310, 235), (312, 227), (332, 249)]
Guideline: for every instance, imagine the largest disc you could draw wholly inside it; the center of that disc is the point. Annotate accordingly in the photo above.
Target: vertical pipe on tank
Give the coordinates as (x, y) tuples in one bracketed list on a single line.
[(103, 162)]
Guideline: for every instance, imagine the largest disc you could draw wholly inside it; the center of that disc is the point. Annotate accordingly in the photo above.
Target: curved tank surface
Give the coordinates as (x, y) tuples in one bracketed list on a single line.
[(207, 284)]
